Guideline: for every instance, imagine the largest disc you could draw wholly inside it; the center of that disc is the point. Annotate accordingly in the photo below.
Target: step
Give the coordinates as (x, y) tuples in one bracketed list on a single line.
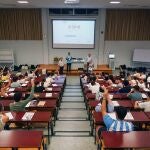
[(72, 119), (72, 113), (72, 143), (73, 99), (72, 126), (72, 134), (72, 90), (72, 105), (72, 87), (73, 80), (73, 94)]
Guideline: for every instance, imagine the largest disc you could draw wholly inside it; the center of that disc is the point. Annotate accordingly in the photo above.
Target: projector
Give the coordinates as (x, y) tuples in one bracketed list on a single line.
[(71, 1)]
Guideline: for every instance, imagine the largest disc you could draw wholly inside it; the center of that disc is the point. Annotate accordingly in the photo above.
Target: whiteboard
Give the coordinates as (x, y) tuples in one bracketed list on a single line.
[(141, 55)]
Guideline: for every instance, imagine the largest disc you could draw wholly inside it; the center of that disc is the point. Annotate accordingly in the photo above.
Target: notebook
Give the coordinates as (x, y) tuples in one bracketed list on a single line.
[(28, 116), (41, 103), (49, 89), (11, 89), (54, 85), (115, 103), (9, 115), (48, 95), (144, 95)]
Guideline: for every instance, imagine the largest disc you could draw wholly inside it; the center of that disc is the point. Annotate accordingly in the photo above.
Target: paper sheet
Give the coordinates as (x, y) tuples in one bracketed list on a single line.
[(111, 96), (146, 89), (9, 115), (48, 95), (115, 103), (129, 116), (24, 84), (31, 103), (41, 103), (112, 115), (11, 94), (11, 89), (28, 116), (49, 89), (99, 104), (54, 85), (114, 85), (28, 104), (144, 95)]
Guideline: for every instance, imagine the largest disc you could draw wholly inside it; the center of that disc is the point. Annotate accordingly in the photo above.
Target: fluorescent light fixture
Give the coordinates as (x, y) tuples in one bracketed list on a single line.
[(71, 1), (114, 2), (22, 2)]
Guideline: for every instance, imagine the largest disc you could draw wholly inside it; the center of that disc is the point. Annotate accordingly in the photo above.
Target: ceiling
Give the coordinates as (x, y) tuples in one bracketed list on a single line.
[(83, 4)]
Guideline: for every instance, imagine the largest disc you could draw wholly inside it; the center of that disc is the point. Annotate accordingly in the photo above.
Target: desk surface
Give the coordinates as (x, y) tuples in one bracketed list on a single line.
[(54, 96), (138, 117), (134, 139), (21, 139), (124, 103), (39, 116)]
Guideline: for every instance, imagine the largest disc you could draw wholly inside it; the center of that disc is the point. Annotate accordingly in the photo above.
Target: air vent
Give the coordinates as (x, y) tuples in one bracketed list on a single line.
[(76, 12)]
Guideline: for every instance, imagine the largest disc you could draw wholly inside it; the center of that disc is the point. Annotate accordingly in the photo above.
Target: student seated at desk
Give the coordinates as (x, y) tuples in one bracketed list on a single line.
[(39, 87), (19, 105), (126, 87), (143, 105), (15, 82), (114, 124), (110, 105), (135, 94), (5, 76), (3, 118), (93, 85), (3, 88)]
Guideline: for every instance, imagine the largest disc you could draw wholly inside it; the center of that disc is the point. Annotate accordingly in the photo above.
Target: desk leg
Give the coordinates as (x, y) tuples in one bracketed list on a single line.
[(92, 127), (48, 133), (52, 132)]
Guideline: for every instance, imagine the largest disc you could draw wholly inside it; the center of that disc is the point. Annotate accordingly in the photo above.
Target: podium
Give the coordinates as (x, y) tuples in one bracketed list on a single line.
[(78, 63), (111, 61)]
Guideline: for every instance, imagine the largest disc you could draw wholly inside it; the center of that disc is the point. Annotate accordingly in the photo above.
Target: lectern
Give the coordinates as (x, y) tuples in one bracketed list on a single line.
[(111, 61)]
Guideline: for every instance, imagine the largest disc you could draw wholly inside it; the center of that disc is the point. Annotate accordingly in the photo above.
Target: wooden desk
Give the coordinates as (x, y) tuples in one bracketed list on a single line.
[(43, 96), (38, 117), (21, 139), (134, 139), (50, 105), (139, 118), (124, 103)]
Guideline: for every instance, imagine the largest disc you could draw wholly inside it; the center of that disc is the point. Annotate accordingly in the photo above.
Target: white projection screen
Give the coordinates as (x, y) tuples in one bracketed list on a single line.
[(73, 33), (141, 55)]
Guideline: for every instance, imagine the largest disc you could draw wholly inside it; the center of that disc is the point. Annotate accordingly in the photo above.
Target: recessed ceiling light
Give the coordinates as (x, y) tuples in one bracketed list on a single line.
[(114, 2), (71, 1), (22, 2)]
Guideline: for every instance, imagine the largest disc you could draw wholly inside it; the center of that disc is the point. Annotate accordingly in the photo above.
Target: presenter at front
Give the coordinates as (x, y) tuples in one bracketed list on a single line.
[(90, 63), (69, 62)]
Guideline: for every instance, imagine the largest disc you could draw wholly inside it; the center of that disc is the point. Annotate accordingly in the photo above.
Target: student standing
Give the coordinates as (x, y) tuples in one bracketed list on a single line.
[(69, 62), (61, 66)]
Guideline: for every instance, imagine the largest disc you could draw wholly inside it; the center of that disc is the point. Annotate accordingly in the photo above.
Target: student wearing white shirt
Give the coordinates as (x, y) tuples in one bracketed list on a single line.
[(90, 63), (61, 66), (141, 84), (143, 105), (93, 85), (3, 118)]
